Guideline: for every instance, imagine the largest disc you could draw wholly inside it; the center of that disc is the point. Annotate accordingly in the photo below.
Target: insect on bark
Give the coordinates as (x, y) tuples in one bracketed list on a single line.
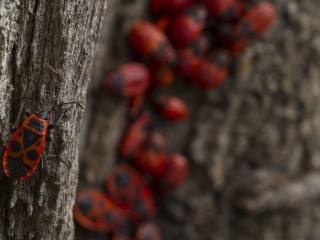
[(25, 148)]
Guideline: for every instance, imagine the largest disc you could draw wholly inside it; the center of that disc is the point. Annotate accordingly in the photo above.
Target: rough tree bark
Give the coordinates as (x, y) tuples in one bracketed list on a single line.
[(45, 46), (253, 144)]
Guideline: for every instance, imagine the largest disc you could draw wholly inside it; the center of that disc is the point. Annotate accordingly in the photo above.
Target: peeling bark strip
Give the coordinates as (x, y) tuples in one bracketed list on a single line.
[(48, 46)]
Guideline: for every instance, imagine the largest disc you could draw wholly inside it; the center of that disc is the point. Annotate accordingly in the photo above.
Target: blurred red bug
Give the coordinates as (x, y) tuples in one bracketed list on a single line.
[(187, 63), (95, 211), (200, 46), (213, 71), (234, 46), (176, 171), (148, 231), (161, 74), (209, 75), (152, 155), (135, 136), (189, 58), (186, 26), (255, 22), (221, 57), (149, 40), (224, 10), (132, 194), (128, 80), (171, 108), (135, 104), (162, 22)]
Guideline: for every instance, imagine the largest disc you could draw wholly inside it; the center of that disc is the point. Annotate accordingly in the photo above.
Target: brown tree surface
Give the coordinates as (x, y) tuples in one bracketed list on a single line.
[(46, 47), (253, 144)]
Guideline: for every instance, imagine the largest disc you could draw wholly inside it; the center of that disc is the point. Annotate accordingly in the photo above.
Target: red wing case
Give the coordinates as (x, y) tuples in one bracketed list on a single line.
[(128, 80), (95, 211), (24, 150)]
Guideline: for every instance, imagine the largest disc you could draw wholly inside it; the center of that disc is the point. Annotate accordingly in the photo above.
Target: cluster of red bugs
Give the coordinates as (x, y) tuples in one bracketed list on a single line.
[(179, 42)]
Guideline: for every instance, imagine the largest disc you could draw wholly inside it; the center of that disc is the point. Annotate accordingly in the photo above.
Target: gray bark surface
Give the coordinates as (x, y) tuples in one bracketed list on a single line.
[(253, 144), (48, 47)]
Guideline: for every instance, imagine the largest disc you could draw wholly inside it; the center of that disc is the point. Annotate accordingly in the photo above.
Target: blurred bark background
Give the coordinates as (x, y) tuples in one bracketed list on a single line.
[(253, 144), (46, 47)]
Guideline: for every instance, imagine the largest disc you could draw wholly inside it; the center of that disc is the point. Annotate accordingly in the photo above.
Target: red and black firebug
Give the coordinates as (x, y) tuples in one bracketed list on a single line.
[(25, 148), (95, 211)]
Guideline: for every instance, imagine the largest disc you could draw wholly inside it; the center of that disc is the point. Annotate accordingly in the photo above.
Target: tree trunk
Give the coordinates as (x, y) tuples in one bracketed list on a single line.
[(253, 144), (46, 47)]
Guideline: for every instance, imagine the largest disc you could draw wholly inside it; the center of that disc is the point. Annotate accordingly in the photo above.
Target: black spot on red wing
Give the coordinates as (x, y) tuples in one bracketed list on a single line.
[(38, 143), (122, 180), (149, 233), (139, 206), (198, 17), (108, 216), (220, 58), (32, 155), (117, 82), (15, 146), (123, 199), (29, 138), (152, 146), (101, 203), (195, 13), (161, 49), (94, 219), (16, 167), (195, 46), (20, 133), (138, 188), (246, 30), (145, 128), (188, 11), (85, 204)]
